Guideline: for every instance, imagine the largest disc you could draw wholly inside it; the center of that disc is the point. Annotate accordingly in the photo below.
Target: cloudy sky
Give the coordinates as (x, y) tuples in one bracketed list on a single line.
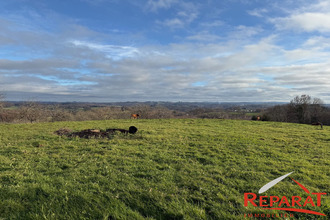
[(164, 50)]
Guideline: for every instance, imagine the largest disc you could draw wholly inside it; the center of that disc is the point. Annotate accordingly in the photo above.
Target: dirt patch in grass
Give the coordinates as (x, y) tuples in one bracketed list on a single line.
[(95, 133)]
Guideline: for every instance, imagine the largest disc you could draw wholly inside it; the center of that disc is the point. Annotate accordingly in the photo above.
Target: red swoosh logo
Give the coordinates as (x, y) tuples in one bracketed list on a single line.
[(301, 186), (298, 210)]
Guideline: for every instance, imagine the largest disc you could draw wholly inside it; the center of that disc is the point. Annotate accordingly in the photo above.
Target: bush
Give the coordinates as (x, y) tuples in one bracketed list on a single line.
[(265, 117)]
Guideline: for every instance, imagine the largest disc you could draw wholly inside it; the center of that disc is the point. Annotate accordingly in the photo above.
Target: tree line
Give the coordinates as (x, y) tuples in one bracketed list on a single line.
[(302, 109), (30, 112)]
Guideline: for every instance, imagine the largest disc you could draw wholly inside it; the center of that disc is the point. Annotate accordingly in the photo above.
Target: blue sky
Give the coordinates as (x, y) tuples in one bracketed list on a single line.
[(164, 50)]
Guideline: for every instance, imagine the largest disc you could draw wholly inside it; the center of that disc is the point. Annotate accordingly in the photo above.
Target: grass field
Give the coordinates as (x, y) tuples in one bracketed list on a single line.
[(170, 169)]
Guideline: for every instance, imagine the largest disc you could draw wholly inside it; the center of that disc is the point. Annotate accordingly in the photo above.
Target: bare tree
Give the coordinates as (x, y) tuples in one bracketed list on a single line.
[(299, 108), (2, 98), (143, 110), (31, 111), (2, 113), (304, 109), (58, 114), (278, 113)]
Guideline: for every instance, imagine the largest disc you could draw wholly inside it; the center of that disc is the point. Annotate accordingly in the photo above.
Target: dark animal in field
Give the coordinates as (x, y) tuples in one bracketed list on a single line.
[(318, 123), (135, 116), (95, 133)]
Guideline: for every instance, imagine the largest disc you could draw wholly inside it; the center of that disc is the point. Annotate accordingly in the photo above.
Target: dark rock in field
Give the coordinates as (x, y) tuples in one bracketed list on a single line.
[(63, 131), (94, 133), (131, 130), (89, 133)]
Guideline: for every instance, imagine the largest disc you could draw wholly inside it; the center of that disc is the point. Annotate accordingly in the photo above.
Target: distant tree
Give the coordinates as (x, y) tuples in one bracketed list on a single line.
[(305, 109), (59, 114), (301, 109), (2, 98), (31, 111), (278, 113), (143, 110), (2, 113)]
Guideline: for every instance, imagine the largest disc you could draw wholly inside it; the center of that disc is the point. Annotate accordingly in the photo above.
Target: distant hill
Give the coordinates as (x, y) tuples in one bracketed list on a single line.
[(178, 106)]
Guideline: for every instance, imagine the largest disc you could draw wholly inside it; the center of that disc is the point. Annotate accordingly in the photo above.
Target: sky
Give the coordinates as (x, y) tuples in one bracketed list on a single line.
[(164, 50)]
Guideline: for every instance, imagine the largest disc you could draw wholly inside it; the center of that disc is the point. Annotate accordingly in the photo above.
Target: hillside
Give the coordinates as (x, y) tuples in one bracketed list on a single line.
[(170, 169)]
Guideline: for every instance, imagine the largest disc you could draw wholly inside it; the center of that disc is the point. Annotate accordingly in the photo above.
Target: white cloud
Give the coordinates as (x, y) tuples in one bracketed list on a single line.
[(305, 16), (316, 6), (186, 14), (318, 42), (169, 73), (246, 32), (258, 12), (234, 65), (115, 52), (155, 5), (173, 23), (308, 22), (204, 36), (307, 55), (215, 23)]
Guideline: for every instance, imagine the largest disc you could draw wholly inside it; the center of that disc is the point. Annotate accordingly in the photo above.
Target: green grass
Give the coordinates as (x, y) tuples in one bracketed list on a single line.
[(170, 169), (252, 113)]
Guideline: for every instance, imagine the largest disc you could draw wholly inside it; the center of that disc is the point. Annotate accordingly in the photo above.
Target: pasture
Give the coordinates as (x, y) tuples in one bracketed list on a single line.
[(169, 169)]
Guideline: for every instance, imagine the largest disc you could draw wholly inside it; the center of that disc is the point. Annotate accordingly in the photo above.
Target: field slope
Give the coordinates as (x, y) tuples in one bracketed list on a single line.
[(170, 169)]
